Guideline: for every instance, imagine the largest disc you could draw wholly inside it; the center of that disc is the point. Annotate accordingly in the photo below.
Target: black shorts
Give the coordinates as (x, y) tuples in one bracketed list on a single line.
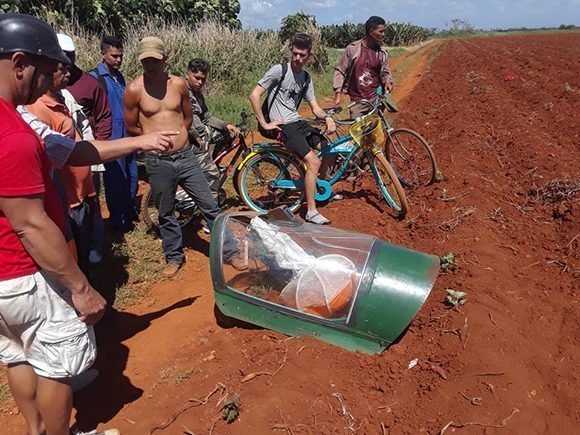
[(300, 137)]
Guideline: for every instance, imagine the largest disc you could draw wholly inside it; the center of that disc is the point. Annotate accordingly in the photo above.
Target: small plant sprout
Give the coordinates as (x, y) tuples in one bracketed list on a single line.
[(567, 87), (448, 262), (231, 408), (454, 298), (183, 376)]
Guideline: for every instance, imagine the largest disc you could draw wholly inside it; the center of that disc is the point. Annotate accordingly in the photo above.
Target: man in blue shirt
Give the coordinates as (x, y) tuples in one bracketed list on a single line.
[(120, 176)]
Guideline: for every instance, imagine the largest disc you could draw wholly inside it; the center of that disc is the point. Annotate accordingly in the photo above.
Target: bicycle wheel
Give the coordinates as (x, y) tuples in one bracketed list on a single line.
[(389, 186), (411, 157), (255, 181), (185, 209)]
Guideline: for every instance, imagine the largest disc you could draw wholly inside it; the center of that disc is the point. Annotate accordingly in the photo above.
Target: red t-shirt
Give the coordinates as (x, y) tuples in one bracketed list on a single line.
[(24, 171), (366, 75)]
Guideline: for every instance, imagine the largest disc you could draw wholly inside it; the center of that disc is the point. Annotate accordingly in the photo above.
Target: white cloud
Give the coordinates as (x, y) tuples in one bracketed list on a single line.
[(427, 13), (319, 4), (258, 7)]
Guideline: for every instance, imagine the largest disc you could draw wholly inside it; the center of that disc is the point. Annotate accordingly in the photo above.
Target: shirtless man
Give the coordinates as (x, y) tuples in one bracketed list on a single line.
[(157, 99)]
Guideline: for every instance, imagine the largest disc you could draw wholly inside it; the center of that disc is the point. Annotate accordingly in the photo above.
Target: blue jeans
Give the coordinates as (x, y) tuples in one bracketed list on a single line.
[(166, 172), (81, 222), (120, 179)]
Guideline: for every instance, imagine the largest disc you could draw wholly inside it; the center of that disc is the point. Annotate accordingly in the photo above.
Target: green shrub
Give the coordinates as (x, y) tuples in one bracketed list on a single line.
[(117, 15), (396, 34), (304, 23), (238, 58)]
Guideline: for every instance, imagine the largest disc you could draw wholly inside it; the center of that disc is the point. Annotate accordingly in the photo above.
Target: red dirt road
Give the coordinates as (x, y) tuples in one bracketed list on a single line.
[(503, 117)]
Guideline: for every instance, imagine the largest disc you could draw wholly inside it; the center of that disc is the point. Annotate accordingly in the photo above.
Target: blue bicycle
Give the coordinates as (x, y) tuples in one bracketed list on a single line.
[(271, 176)]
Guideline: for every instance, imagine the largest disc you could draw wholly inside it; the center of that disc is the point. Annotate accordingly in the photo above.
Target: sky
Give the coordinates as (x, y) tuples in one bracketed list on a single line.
[(482, 14)]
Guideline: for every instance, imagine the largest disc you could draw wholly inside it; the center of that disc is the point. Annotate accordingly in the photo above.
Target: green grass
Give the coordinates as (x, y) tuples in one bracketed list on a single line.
[(229, 107), (492, 33), (129, 267), (4, 393), (145, 258)]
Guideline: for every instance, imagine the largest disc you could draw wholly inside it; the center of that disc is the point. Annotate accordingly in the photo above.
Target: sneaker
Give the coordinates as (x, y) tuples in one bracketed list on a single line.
[(95, 257), (316, 218), (171, 269), (79, 382), (238, 263), (336, 197), (96, 432)]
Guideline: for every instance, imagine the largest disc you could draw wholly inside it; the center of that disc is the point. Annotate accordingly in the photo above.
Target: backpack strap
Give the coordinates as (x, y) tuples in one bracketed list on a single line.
[(277, 90), (304, 88)]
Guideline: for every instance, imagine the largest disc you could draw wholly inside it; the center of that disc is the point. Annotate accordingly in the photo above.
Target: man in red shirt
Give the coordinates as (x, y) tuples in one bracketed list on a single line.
[(363, 67), (42, 338)]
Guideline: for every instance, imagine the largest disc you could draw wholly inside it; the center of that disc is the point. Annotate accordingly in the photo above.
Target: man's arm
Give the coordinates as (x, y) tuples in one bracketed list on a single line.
[(87, 153), (101, 112), (255, 99), (386, 78), (45, 243), (62, 150), (321, 114), (197, 123), (223, 126), (185, 103), (131, 109), (339, 77)]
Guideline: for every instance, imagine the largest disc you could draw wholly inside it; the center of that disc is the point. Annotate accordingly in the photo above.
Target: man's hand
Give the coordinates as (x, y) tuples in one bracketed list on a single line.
[(330, 125), (234, 131), (274, 125), (160, 141), (90, 305), (202, 144), (389, 87)]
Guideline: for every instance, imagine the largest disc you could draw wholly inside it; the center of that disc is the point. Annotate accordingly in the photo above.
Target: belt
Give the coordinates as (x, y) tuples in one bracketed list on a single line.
[(171, 156)]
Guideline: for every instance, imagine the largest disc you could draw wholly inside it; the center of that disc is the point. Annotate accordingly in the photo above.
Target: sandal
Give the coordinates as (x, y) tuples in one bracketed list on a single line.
[(316, 218)]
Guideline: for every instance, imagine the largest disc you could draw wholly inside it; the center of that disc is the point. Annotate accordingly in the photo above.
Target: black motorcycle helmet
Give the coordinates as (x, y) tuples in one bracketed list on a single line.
[(28, 34)]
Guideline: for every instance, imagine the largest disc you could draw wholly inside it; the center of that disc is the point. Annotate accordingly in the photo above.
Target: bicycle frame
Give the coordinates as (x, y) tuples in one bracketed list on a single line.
[(241, 149), (378, 105), (323, 187)]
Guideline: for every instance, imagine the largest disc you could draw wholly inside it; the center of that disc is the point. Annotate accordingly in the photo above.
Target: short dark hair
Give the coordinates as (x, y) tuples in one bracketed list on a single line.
[(111, 41), (372, 23), (302, 41), (198, 64)]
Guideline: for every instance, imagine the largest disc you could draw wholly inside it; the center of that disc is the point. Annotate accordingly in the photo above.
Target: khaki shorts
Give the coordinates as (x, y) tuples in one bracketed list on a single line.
[(39, 326)]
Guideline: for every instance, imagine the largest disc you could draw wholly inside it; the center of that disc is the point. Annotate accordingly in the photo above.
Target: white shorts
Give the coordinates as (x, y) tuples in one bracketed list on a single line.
[(39, 326)]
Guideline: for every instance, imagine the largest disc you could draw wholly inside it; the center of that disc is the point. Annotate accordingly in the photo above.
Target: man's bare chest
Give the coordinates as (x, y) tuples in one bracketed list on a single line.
[(169, 102)]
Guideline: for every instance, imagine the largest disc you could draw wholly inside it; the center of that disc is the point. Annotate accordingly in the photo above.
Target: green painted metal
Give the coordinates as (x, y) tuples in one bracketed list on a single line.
[(392, 288), (401, 282), (290, 324)]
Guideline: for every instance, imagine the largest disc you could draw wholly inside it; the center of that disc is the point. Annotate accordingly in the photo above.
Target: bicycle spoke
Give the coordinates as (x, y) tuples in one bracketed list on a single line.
[(258, 183), (411, 158), (185, 209)]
